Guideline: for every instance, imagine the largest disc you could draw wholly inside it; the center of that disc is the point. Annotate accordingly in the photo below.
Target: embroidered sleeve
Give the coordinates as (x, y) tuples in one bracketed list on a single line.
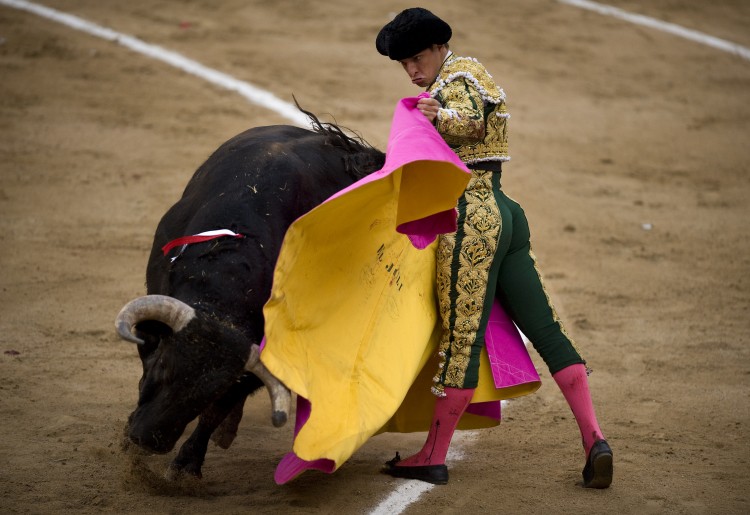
[(461, 118)]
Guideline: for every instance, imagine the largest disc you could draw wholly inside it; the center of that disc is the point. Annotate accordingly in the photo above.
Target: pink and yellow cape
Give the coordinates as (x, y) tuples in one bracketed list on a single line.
[(352, 323)]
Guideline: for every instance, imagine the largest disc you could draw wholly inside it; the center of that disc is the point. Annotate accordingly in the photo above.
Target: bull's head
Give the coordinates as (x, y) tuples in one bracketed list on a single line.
[(190, 359)]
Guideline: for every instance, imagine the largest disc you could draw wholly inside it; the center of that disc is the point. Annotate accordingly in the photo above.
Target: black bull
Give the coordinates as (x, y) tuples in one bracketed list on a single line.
[(198, 328)]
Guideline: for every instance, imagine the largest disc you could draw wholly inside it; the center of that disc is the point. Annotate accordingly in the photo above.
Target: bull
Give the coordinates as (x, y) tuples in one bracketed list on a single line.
[(198, 328)]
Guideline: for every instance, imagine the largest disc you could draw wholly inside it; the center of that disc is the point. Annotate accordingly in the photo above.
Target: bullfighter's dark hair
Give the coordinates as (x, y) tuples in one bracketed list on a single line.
[(361, 158)]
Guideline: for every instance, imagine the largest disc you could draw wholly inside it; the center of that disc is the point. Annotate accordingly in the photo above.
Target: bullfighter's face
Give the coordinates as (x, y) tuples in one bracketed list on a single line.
[(423, 67)]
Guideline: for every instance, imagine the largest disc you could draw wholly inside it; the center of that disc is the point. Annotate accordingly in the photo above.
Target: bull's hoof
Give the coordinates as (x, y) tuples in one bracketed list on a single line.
[(278, 418)]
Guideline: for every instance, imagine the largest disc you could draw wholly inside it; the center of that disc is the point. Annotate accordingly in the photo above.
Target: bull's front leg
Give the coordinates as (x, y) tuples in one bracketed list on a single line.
[(224, 435), (192, 453)]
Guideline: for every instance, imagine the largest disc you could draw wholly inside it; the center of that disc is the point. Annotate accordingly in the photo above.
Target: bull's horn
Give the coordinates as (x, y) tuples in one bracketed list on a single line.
[(281, 397), (168, 310)]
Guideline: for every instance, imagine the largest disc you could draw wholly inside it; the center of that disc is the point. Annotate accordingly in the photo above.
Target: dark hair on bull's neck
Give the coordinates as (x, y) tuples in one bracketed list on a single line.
[(361, 158)]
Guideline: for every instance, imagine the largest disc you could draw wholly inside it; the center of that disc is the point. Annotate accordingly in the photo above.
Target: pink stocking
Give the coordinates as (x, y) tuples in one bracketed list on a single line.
[(448, 411), (574, 385)]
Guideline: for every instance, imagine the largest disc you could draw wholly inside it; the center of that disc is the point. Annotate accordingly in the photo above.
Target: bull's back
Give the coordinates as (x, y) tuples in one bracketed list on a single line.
[(255, 184), (264, 158)]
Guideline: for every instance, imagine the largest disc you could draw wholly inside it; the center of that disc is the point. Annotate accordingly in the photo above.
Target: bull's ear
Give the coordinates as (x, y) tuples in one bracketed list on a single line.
[(151, 332)]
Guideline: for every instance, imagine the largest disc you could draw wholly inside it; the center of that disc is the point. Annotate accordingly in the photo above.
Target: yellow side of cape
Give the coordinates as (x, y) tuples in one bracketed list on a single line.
[(352, 321)]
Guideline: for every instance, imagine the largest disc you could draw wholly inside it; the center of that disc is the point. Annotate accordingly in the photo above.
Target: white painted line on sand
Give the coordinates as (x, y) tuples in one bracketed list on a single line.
[(410, 491), (677, 30), (406, 493), (252, 93)]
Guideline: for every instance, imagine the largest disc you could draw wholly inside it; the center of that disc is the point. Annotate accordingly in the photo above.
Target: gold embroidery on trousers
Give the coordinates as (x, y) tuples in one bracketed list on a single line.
[(481, 233)]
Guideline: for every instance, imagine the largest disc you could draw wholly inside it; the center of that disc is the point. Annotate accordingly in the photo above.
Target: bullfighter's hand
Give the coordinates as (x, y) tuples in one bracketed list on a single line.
[(429, 107)]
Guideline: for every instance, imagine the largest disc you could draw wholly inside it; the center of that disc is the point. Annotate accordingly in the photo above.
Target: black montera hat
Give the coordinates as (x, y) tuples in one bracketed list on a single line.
[(410, 32)]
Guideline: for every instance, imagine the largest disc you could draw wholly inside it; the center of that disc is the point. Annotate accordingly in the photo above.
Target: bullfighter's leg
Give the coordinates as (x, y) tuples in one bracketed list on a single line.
[(429, 463), (523, 295), (467, 265)]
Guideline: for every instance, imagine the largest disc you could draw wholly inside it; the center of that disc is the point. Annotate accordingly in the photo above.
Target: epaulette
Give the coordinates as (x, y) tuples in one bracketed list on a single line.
[(472, 71)]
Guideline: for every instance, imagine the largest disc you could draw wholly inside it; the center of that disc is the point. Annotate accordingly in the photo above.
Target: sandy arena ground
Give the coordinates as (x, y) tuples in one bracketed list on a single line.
[(630, 156)]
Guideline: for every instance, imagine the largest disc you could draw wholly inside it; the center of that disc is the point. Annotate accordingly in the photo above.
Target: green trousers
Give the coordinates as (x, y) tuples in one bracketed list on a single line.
[(488, 257)]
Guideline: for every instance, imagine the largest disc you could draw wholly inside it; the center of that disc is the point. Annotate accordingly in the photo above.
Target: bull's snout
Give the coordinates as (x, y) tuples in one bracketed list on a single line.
[(153, 442), (149, 438)]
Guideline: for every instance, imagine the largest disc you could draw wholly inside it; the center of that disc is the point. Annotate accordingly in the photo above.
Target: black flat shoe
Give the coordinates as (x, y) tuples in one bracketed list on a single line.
[(598, 470), (435, 474)]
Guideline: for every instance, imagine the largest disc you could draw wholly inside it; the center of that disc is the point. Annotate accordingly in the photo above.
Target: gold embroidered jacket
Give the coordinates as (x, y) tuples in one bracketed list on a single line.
[(473, 119)]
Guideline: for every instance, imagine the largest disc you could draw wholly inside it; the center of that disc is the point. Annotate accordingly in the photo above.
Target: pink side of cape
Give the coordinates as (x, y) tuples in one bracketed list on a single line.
[(292, 465), (509, 358), (413, 138)]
